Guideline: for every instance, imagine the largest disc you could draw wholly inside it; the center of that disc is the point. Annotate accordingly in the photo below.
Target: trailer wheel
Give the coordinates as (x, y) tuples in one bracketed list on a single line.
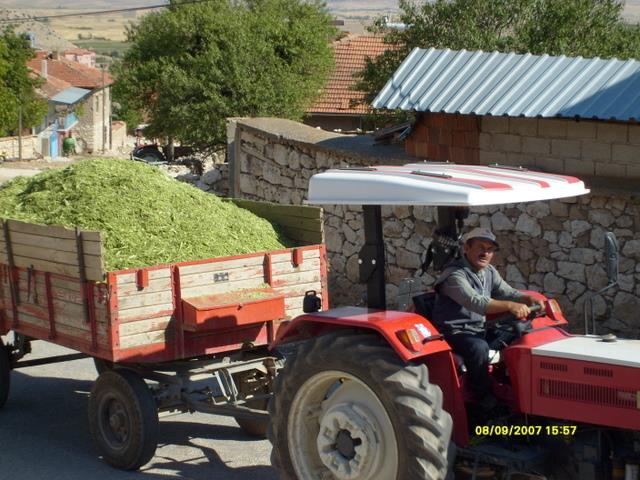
[(5, 374), (123, 419), (346, 407), (102, 365)]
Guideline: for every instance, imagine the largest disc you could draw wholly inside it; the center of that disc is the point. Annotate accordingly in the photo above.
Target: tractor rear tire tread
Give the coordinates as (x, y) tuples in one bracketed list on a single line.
[(404, 389)]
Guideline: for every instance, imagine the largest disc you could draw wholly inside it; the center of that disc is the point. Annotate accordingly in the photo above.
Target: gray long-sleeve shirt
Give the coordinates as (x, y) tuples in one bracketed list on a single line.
[(457, 287)]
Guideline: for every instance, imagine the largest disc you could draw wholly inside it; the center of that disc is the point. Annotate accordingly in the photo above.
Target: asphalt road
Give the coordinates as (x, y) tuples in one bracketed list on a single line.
[(44, 433), (7, 173)]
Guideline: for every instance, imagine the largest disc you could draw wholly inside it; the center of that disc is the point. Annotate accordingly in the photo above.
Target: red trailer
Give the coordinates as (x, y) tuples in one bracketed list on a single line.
[(188, 336)]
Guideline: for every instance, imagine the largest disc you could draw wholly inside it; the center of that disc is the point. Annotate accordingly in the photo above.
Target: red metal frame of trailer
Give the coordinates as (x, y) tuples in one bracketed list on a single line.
[(182, 343)]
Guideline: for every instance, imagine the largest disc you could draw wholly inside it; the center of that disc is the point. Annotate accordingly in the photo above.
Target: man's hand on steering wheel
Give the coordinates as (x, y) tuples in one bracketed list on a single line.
[(531, 301), (519, 310)]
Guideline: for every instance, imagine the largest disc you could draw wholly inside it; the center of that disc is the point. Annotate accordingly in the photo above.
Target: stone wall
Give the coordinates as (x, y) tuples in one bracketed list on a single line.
[(555, 247), (209, 174), (93, 130), (9, 147)]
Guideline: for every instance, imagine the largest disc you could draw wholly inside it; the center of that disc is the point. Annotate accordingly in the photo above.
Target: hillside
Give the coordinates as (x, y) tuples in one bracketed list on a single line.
[(44, 36), (73, 4)]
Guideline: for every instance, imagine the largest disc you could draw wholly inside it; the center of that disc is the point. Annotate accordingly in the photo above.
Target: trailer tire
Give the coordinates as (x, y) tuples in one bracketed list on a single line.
[(349, 393), (102, 365), (5, 374), (123, 419)]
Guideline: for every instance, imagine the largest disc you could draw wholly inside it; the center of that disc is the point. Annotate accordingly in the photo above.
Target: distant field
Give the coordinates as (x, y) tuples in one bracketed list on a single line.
[(632, 13), (106, 33), (84, 27), (83, 30), (103, 47)]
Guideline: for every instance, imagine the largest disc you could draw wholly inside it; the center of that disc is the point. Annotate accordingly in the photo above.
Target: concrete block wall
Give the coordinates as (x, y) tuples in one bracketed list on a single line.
[(574, 147), (584, 147)]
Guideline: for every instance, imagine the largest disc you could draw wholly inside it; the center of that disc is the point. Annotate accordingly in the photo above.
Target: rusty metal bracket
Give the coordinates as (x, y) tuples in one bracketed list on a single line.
[(83, 275), (32, 281), (142, 278), (13, 275), (15, 294)]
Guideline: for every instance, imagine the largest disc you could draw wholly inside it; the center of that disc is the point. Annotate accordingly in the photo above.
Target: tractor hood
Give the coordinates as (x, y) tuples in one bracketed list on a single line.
[(592, 348), (439, 184)]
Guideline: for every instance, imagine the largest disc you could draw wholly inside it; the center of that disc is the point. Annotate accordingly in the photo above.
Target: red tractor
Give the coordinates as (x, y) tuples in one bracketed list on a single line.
[(376, 394)]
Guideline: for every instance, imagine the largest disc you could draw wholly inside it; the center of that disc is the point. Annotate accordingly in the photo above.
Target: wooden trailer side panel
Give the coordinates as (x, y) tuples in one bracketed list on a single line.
[(301, 223), (54, 249), (48, 285), (51, 307), (146, 304), (147, 319)]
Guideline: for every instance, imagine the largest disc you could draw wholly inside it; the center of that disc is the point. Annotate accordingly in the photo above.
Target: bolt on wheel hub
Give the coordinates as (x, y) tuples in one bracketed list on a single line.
[(117, 422), (348, 443)]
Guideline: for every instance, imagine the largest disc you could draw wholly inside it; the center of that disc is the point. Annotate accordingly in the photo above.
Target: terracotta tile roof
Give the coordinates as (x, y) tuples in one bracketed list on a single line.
[(78, 51), (74, 73), (350, 54), (52, 86)]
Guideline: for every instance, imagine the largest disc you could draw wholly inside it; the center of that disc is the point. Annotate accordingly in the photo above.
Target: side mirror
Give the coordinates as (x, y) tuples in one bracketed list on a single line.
[(611, 248)]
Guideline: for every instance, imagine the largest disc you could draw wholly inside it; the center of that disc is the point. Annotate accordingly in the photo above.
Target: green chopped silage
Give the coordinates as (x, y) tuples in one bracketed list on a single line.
[(146, 218)]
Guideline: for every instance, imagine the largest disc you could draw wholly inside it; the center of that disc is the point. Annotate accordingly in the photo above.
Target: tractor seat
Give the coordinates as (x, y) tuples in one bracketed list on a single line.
[(494, 357)]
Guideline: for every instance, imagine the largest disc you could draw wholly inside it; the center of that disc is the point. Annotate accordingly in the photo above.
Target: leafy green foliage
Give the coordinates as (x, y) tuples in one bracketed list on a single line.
[(191, 66), (17, 85), (146, 217), (588, 28)]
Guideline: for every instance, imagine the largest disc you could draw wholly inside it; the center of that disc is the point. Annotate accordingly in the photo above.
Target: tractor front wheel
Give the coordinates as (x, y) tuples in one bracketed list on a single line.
[(347, 407), (5, 374)]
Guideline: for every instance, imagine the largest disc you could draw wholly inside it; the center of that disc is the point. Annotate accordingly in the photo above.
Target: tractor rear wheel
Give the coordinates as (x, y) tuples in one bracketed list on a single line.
[(5, 374), (123, 419), (347, 407)]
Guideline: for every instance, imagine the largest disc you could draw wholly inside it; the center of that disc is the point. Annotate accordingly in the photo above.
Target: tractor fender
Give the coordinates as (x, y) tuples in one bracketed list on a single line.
[(409, 334)]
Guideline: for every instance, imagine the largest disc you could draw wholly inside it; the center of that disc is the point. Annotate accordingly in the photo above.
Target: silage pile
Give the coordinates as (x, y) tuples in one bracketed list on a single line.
[(146, 218)]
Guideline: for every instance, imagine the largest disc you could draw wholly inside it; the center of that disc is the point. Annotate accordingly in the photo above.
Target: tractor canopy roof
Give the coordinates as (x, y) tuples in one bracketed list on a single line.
[(439, 184)]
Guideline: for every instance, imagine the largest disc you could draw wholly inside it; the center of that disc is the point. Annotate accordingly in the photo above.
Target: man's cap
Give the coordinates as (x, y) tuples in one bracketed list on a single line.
[(482, 233)]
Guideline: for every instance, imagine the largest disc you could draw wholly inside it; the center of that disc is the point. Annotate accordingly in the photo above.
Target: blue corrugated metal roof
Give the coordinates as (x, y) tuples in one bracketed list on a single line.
[(492, 83), (70, 95)]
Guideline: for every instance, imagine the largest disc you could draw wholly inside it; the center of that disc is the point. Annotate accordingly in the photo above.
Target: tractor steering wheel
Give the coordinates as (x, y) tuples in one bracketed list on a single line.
[(509, 323)]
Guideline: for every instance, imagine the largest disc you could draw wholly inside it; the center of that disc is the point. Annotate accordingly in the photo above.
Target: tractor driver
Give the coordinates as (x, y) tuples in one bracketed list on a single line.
[(468, 289)]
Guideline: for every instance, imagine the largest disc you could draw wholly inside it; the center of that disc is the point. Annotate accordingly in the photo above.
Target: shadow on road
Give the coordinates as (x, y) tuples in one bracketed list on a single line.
[(45, 421)]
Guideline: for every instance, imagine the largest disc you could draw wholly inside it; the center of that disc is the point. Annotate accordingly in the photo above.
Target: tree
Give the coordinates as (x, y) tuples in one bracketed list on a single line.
[(193, 65), (17, 85), (556, 27)]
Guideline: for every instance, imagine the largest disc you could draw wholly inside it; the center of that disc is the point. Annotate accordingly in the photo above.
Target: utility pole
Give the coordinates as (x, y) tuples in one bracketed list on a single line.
[(104, 110), (20, 131)]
